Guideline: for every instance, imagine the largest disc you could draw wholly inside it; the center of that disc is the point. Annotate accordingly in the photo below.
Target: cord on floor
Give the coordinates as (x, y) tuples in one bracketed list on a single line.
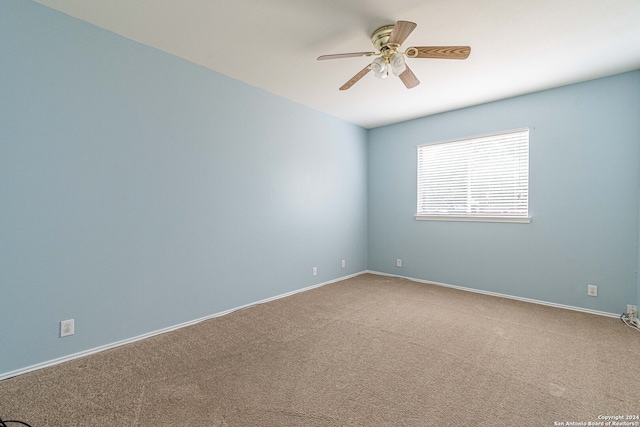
[(632, 323), (5, 423)]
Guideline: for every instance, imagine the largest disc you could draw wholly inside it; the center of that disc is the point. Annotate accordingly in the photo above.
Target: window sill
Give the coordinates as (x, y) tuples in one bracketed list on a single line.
[(521, 220)]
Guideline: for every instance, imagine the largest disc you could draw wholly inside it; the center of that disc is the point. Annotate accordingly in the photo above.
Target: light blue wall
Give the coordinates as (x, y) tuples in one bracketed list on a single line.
[(584, 171), (139, 191)]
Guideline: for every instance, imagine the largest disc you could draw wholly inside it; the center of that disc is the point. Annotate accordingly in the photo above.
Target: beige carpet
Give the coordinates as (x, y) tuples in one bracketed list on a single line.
[(367, 351)]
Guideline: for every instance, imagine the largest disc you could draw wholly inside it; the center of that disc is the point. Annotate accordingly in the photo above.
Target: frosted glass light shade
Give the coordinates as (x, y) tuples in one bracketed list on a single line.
[(379, 67), (397, 64)]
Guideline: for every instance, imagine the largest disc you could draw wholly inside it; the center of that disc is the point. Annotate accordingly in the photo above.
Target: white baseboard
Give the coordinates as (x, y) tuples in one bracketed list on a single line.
[(495, 294), (160, 331), (222, 313)]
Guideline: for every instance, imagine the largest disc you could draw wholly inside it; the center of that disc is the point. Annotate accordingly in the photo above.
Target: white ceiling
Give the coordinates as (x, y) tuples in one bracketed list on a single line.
[(517, 46)]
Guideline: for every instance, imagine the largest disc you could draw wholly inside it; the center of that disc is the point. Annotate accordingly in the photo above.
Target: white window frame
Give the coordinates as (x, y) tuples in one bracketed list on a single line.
[(460, 152)]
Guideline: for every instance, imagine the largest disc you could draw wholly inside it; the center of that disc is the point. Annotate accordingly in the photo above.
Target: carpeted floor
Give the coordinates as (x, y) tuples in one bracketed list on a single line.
[(367, 351)]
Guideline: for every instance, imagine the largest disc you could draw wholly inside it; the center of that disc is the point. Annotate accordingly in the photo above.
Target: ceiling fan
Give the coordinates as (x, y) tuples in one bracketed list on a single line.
[(387, 41)]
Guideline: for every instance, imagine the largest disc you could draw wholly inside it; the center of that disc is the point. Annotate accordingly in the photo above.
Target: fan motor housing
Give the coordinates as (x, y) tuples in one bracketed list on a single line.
[(380, 37)]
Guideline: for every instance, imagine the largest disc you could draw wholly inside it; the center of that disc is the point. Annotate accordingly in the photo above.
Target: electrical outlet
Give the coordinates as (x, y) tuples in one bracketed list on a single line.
[(632, 311), (344, 263), (315, 271), (398, 262), (592, 290), (67, 328)]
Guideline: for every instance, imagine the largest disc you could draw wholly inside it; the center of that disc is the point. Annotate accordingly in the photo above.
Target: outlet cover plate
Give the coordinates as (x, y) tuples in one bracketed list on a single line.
[(592, 290), (67, 328)]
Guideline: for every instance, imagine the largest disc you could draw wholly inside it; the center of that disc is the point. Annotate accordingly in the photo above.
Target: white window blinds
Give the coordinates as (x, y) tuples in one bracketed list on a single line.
[(479, 178)]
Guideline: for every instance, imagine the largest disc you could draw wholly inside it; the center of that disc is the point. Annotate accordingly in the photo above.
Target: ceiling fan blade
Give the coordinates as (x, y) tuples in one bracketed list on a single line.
[(401, 31), (442, 52), (409, 79), (355, 78), (345, 55)]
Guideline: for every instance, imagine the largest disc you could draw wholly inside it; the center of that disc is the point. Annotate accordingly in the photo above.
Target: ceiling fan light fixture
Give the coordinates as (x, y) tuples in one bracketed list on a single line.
[(397, 63), (379, 67), (387, 41)]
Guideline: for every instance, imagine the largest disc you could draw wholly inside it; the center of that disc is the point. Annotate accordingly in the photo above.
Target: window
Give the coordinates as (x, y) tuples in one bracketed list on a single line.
[(482, 178)]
